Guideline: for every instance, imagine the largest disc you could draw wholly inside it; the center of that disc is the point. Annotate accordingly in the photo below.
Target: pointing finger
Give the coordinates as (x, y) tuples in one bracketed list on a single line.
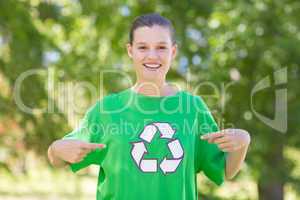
[(220, 140), (93, 146), (212, 136)]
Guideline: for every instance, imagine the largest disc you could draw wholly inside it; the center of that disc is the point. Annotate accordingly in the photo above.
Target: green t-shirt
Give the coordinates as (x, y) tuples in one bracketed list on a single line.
[(153, 146)]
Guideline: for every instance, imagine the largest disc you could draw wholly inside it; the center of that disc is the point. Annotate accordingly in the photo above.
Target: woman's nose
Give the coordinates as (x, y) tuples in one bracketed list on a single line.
[(152, 54)]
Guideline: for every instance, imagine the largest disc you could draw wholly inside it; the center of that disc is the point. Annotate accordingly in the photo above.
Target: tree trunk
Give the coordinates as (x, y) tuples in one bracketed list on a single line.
[(272, 176), (271, 191)]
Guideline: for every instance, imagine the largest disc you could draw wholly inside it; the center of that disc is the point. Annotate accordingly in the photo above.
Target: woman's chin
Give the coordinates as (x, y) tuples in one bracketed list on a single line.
[(152, 76)]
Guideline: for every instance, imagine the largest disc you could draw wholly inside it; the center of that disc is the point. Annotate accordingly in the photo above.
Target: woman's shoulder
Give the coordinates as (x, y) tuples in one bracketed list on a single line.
[(195, 100), (192, 95), (110, 100)]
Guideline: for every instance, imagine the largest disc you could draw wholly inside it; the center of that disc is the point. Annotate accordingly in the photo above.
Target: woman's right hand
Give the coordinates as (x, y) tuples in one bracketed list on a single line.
[(73, 151)]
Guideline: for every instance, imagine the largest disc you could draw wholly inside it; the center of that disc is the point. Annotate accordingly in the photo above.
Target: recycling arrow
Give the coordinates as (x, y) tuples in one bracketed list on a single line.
[(175, 148), (149, 165), (148, 133), (138, 151), (167, 165), (165, 130)]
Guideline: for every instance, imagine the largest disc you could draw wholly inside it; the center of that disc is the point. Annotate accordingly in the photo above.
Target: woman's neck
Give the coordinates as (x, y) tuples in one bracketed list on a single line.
[(160, 88)]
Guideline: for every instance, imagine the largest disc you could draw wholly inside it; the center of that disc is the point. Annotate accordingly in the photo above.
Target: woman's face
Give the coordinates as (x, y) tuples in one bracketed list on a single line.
[(152, 52)]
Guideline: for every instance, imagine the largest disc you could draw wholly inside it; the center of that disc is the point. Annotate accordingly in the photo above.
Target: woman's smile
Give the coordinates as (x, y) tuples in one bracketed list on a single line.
[(152, 67)]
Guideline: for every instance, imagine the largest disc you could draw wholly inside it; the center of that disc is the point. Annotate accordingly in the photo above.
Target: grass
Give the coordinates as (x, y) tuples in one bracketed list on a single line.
[(46, 183)]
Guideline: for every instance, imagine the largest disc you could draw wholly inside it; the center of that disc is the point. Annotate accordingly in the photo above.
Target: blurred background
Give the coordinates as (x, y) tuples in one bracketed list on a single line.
[(58, 57)]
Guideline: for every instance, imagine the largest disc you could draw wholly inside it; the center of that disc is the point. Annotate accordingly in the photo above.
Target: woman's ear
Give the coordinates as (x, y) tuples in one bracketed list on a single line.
[(129, 50), (174, 51)]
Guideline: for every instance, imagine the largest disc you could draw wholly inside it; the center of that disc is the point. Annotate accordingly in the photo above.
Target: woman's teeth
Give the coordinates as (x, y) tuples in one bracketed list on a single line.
[(152, 66)]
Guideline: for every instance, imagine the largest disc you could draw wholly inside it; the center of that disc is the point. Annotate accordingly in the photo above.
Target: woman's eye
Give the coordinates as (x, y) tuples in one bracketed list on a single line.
[(162, 47), (142, 47)]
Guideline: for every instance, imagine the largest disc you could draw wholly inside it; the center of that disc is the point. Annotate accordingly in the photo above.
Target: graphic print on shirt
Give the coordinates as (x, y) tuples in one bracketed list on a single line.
[(167, 165)]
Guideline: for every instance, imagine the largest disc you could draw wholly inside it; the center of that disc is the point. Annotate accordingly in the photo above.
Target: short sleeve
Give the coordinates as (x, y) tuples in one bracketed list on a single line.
[(89, 130), (208, 157)]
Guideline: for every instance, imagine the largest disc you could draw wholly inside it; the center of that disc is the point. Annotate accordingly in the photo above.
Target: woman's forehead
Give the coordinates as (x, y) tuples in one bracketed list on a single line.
[(155, 34)]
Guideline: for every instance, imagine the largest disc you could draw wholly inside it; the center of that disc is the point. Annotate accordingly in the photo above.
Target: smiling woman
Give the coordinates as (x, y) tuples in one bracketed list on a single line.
[(152, 55), (160, 153)]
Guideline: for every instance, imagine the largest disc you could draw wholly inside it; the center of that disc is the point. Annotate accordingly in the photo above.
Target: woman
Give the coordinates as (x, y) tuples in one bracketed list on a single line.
[(151, 140)]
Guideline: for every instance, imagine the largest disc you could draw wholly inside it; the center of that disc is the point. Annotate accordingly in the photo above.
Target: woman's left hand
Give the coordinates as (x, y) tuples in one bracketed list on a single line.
[(229, 140)]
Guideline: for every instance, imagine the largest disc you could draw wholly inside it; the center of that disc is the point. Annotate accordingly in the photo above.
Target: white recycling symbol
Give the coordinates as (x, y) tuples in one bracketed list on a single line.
[(150, 165)]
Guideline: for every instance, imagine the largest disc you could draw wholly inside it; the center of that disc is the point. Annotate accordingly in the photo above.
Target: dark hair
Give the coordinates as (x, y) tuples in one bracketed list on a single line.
[(150, 20)]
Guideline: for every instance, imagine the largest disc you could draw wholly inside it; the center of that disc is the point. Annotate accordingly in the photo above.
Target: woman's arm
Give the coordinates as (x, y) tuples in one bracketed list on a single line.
[(234, 161), (236, 143), (55, 160)]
